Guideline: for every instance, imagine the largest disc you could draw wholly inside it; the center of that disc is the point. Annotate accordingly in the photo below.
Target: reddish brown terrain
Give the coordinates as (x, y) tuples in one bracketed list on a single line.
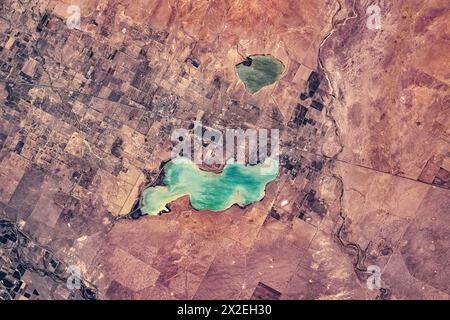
[(85, 123)]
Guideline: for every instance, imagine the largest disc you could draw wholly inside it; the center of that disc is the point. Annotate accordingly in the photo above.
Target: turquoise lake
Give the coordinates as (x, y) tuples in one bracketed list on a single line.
[(236, 184)]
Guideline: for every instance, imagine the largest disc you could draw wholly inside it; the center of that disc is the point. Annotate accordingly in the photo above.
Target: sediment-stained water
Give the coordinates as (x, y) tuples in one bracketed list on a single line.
[(258, 71), (236, 184)]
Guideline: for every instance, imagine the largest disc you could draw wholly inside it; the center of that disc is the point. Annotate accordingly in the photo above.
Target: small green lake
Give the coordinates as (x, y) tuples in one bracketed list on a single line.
[(258, 71), (236, 184)]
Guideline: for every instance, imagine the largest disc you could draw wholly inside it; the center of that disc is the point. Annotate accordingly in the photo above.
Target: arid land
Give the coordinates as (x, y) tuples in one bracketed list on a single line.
[(85, 122)]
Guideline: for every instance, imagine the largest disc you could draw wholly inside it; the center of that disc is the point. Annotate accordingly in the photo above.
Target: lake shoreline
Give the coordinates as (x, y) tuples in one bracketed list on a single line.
[(235, 184)]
